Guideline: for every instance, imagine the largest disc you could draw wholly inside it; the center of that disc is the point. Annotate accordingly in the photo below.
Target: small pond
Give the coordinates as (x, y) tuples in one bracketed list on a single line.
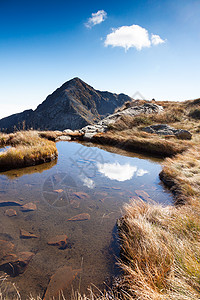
[(89, 180)]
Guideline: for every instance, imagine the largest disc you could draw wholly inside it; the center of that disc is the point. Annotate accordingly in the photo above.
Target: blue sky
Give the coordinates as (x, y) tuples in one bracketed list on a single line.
[(45, 43)]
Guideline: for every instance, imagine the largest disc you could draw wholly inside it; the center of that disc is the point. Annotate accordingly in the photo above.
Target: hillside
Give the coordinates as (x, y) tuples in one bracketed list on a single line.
[(74, 105)]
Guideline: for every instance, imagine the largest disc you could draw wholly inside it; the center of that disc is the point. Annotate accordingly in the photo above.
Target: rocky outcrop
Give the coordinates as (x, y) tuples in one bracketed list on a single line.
[(103, 125), (164, 129), (74, 105)]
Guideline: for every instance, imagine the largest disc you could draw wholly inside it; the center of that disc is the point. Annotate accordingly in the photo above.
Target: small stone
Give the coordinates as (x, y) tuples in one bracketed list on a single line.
[(59, 240), (63, 138), (68, 131), (60, 281), (58, 191), (27, 235), (80, 217), (10, 212), (81, 195), (74, 203), (183, 135), (6, 249), (16, 264), (29, 207)]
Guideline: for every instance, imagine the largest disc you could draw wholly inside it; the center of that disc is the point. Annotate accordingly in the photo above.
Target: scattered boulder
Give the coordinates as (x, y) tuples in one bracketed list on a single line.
[(60, 281), (29, 207), (183, 135), (80, 217), (63, 138), (27, 235), (10, 212), (68, 131), (59, 240), (164, 129)]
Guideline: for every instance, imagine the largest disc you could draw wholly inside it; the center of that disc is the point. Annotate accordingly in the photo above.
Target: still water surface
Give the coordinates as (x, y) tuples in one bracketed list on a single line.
[(84, 179)]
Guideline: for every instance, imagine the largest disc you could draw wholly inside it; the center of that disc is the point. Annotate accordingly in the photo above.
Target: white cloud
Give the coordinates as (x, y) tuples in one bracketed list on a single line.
[(118, 172), (133, 36), (141, 172), (97, 18), (88, 182), (156, 39)]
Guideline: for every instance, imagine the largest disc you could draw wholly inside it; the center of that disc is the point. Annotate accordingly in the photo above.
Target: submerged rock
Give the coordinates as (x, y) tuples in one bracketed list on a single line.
[(10, 212), (59, 240), (27, 235), (14, 265), (6, 249), (80, 217), (81, 195), (60, 281), (58, 191), (74, 203), (29, 207)]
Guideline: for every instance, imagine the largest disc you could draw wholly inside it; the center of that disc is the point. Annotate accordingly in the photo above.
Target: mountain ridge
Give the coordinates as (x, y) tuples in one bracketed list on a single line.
[(73, 105)]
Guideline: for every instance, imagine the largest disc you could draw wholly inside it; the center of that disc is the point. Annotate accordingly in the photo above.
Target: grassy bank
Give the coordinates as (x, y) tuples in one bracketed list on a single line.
[(27, 149), (160, 246), (135, 140)]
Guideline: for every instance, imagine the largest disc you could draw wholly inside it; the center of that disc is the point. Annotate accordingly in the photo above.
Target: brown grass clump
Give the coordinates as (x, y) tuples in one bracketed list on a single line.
[(161, 245), (135, 140), (27, 149)]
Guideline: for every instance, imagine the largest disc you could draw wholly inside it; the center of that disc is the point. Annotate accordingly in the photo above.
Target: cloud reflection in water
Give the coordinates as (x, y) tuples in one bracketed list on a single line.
[(116, 171)]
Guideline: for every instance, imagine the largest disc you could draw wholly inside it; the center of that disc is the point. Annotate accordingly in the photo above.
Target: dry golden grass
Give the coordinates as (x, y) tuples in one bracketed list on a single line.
[(135, 140), (160, 253), (27, 149), (161, 245)]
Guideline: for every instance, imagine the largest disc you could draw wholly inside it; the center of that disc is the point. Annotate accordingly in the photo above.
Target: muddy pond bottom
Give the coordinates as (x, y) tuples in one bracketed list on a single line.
[(57, 220)]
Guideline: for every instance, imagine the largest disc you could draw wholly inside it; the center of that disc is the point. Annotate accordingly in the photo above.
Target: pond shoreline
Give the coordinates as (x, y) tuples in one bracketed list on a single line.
[(187, 207)]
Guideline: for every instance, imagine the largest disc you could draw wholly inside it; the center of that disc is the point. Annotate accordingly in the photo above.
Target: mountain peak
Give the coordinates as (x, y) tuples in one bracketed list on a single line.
[(73, 105)]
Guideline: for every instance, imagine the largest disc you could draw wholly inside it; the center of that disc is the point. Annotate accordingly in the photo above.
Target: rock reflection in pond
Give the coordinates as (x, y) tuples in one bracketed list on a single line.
[(72, 208)]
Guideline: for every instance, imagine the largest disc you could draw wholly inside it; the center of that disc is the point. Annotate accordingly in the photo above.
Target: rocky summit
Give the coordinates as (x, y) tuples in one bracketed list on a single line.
[(74, 105)]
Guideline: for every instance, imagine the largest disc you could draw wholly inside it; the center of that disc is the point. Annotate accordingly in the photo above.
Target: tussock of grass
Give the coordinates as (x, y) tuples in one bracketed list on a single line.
[(161, 245), (27, 149), (135, 140), (161, 251)]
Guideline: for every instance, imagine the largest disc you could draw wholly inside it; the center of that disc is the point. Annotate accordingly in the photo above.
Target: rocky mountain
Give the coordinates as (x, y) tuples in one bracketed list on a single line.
[(74, 105)]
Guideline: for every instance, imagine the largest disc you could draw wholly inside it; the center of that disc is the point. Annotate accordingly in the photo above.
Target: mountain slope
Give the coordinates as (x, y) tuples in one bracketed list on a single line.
[(74, 105)]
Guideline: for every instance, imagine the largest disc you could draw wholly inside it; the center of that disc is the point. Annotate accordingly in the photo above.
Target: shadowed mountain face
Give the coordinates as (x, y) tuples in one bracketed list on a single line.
[(74, 105)]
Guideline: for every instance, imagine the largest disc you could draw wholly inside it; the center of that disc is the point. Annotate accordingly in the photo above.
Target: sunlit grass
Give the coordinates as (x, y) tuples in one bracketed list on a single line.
[(27, 149)]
